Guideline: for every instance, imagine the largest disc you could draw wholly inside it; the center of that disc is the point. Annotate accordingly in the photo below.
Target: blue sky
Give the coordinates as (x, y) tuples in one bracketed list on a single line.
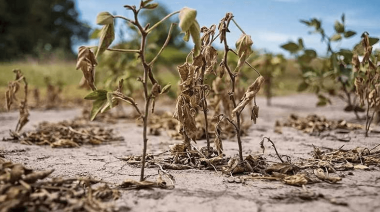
[(269, 22)]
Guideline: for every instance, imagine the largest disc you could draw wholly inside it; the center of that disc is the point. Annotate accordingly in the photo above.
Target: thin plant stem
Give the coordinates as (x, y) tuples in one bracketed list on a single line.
[(162, 20), (275, 149), (247, 63), (163, 46), (124, 50), (238, 26), (122, 17), (232, 97), (367, 119), (204, 103)]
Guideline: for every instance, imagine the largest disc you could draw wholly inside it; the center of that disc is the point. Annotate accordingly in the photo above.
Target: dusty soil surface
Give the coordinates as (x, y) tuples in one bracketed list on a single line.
[(200, 190)]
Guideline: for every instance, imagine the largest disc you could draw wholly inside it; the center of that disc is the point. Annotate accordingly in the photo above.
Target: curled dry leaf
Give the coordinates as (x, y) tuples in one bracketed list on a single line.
[(249, 94), (325, 176), (296, 180), (86, 62), (186, 72), (243, 47), (185, 114), (10, 94), (210, 55)]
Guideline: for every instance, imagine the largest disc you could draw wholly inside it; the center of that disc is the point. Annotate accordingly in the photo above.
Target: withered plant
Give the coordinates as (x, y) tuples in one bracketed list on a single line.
[(10, 96), (103, 100), (367, 81), (243, 50), (194, 90)]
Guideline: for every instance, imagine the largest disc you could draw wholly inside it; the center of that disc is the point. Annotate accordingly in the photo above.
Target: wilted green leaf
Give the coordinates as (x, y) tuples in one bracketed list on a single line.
[(166, 88), (373, 41), (186, 18), (95, 34), (291, 47), (104, 18), (107, 35), (151, 6), (339, 27), (97, 94), (336, 37), (195, 32), (343, 18), (349, 33), (97, 106)]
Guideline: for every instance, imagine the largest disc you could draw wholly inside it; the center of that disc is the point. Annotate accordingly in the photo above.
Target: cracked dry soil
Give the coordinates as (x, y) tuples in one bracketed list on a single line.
[(201, 190)]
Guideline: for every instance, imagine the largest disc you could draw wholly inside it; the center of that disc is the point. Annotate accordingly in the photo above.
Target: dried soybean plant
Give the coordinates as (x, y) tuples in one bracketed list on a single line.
[(10, 95), (104, 100), (194, 90), (243, 47), (367, 81)]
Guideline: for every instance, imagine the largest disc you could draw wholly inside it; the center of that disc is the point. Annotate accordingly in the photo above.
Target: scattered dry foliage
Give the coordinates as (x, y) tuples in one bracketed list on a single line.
[(68, 134), (24, 189), (324, 166), (306, 171), (314, 124)]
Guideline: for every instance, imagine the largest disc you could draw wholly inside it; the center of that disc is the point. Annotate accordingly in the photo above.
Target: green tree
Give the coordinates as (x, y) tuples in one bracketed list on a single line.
[(28, 27)]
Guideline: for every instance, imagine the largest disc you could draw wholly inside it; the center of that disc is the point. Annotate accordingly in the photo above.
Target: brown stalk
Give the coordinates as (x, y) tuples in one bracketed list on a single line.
[(144, 31), (204, 102), (232, 93)]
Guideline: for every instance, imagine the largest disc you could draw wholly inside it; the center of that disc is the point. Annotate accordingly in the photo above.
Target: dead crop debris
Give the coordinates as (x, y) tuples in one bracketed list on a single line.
[(24, 189), (315, 125), (70, 134), (329, 166), (324, 166)]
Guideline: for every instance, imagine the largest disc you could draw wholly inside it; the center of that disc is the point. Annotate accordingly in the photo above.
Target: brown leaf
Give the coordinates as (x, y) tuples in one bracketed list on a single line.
[(324, 176), (297, 180), (86, 62), (64, 143), (249, 94)]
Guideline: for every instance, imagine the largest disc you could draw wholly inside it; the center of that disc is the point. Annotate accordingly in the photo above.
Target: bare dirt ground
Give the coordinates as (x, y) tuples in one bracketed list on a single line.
[(200, 190)]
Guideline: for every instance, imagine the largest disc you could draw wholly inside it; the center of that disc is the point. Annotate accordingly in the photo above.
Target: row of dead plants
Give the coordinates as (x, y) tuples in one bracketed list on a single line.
[(196, 95)]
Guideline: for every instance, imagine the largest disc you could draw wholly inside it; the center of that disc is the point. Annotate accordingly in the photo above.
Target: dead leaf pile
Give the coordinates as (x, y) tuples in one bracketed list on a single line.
[(312, 124), (324, 166), (24, 189), (69, 134)]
